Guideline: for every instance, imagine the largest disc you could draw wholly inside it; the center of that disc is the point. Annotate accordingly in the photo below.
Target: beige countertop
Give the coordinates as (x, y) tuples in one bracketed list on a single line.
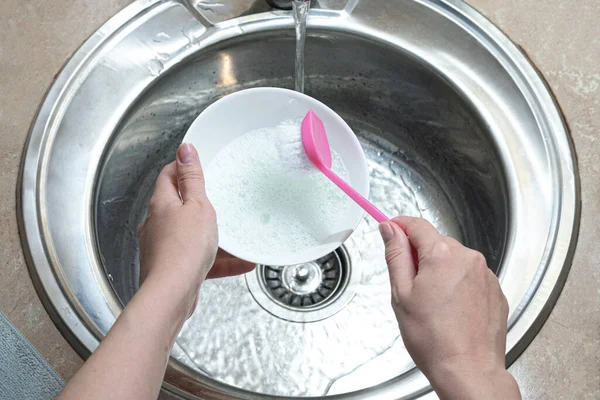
[(562, 37)]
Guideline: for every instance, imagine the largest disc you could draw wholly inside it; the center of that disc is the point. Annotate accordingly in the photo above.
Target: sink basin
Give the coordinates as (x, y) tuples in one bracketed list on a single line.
[(457, 127)]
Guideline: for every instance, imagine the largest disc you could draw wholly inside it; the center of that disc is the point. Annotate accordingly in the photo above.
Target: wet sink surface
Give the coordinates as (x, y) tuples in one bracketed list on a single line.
[(479, 150), (428, 154)]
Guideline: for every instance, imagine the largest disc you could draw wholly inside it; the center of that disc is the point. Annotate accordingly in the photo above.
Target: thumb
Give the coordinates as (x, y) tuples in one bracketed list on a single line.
[(398, 255), (190, 179)]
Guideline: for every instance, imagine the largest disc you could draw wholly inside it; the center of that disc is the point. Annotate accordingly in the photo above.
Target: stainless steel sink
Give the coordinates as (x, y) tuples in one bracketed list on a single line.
[(457, 127)]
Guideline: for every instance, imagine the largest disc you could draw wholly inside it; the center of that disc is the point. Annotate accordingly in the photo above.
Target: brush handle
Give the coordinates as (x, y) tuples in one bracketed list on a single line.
[(354, 195)]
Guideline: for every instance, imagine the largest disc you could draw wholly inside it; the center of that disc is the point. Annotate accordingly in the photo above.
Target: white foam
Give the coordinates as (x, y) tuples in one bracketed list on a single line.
[(263, 204), (288, 140)]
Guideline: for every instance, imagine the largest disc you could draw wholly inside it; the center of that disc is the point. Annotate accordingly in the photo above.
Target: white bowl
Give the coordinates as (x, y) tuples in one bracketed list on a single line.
[(251, 109)]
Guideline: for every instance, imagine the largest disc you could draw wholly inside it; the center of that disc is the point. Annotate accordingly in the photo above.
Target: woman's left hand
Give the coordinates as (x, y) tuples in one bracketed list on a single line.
[(178, 238)]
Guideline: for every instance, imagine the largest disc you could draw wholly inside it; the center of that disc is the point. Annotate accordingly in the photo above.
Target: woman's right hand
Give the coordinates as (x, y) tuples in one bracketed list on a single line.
[(451, 311)]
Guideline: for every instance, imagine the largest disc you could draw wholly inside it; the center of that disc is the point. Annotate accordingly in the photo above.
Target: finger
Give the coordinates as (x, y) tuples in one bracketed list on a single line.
[(140, 228), (398, 255), (223, 254), (190, 178), (421, 233), (229, 267), (166, 183), (165, 189)]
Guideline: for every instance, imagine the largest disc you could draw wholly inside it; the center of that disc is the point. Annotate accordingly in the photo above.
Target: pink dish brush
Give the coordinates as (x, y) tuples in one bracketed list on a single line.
[(318, 152)]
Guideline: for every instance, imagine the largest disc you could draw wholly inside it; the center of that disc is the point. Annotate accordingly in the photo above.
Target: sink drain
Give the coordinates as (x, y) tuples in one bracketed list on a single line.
[(305, 292), (307, 285)]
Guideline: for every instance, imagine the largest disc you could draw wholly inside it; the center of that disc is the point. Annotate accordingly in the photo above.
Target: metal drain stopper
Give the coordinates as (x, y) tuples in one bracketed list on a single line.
[(306, 292), (304, 285)]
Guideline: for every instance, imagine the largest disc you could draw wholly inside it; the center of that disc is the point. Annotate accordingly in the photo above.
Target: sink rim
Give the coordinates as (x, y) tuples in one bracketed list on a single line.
[(64, 312)]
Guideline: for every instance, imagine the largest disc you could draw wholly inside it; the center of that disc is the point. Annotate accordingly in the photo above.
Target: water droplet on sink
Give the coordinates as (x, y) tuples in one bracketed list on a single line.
[(155, 67), (161, 37), (215, 7), (394, 167), (187, 36)]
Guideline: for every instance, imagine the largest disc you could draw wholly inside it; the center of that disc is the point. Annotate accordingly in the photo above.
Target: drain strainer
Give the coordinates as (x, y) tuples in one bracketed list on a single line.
[(305, 292), (307, 285)]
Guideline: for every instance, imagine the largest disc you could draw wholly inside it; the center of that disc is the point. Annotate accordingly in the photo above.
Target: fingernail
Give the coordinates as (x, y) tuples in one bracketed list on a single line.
[(186, 154), (386, 230)]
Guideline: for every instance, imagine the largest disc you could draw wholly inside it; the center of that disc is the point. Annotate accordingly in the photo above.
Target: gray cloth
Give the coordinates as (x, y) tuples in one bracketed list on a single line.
[(24, 373)]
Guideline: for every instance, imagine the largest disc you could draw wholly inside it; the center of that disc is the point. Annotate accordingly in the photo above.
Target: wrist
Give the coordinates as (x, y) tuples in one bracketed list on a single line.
[(184, 277), (173, 293), (473, 381)]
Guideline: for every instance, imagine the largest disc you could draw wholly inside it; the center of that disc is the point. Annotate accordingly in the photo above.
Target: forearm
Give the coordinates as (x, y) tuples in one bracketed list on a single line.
[(466, 383), (130, 362)]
